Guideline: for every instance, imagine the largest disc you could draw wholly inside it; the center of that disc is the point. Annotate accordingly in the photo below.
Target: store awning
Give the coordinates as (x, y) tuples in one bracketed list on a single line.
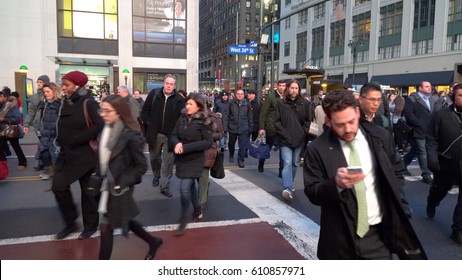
[(402, 80), (360, 79)]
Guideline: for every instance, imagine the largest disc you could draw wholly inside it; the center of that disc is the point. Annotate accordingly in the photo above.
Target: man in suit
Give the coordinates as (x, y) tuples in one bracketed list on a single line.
[(417, 110), (361, 212)]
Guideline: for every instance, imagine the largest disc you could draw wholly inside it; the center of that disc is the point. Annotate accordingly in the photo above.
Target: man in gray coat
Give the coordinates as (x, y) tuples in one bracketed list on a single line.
[(32, 117)]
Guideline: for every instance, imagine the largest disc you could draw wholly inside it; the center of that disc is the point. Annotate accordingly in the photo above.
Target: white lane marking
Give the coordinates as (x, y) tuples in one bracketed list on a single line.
[(300, 231), (171, 227)]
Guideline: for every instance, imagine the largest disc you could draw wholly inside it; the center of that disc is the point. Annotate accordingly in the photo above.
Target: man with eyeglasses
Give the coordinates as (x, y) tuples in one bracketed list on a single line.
[(370, 99)]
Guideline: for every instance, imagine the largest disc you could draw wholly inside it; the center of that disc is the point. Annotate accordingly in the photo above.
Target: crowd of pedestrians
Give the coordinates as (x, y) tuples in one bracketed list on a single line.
[(365, 214)]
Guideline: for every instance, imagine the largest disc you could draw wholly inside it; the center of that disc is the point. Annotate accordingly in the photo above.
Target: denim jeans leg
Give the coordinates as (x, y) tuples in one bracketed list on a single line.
[(295, 157), (185, 193), (422, 156), (287, 159), (243, 142)]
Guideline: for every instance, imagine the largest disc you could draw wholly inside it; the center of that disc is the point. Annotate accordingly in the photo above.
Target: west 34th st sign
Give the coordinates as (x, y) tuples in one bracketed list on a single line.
[(242, 49)]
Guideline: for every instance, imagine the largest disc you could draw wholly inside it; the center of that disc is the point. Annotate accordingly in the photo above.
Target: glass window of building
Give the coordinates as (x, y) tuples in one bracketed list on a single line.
[(286, 48), (337, 33), (338, 3), (301, 43), (287, 26), (359, 2), (318, 38), (248, 4), (391, 18), (159, 28), (288, 2), (303, 17), (87, 26), (319, 10), (424, 18), (455, 10)]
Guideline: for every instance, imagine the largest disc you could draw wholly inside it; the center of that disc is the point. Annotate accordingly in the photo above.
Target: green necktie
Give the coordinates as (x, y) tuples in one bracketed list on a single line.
[(360, 190)]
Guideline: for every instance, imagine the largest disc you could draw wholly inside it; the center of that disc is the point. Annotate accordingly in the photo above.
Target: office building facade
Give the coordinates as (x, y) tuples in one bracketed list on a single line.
[(115, 42), (396, 43)]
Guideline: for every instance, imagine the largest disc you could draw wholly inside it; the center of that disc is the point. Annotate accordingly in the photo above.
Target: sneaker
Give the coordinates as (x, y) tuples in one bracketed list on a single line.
[(454, 190), (155, 182), (166, 192), (44, 176), (287, 195)]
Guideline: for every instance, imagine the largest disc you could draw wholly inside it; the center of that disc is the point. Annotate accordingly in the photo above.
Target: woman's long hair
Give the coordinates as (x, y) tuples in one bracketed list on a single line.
[(123, 109), (54, 87)]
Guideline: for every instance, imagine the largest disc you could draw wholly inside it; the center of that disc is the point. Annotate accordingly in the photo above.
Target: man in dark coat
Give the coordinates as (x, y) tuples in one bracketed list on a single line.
[(444, 147), (237, 121), (255, 107), (329, 184), (160, 112), (417, 110)]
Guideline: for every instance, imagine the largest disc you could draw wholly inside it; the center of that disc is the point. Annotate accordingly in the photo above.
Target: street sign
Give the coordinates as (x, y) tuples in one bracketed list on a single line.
[(241, 49)]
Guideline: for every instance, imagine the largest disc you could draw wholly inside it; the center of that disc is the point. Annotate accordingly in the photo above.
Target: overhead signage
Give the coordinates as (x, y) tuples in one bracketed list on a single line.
[(241, 49)]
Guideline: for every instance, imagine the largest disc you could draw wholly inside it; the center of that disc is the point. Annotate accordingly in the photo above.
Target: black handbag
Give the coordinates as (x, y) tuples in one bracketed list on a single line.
[(94, 185), (403, 132), (259, 150), (8, 131), (218, 170)]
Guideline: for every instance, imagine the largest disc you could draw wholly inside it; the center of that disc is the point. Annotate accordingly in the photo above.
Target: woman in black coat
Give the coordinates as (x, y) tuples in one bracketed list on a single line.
[(191, 136), (76, 155), (122, 164)]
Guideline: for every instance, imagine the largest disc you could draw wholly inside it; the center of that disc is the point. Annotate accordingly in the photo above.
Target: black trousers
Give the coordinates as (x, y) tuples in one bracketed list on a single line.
[(88, 202), (371, 246), (437, 192), (17, 149)]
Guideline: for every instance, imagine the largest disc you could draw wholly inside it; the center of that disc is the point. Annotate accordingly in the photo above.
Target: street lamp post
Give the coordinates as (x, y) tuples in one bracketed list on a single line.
[(354, 45), (126, 73), (23, 70)]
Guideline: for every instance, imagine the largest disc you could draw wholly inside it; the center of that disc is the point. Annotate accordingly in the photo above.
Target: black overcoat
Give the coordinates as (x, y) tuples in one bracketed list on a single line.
[(339, 208), (445, 127), (76, 157)]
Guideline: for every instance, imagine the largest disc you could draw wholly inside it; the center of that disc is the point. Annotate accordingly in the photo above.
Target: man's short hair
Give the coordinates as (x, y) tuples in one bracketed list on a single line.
[(365, 89), (282, 82), (252, 92), (338, 100), (125, 88), (170, 76), (456, 88)]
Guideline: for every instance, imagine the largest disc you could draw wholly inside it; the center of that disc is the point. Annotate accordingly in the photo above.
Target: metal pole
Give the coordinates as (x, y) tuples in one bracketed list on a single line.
[(236, 61), (260, 55), (25, 99), (354, 64), (272, 59)]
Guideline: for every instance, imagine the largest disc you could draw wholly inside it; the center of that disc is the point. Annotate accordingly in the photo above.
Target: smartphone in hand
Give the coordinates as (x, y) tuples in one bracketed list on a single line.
[(355, 169)]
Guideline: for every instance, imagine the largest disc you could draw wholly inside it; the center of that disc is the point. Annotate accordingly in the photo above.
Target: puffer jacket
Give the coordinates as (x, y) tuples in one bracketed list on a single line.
[(48, 116), (237, 118)]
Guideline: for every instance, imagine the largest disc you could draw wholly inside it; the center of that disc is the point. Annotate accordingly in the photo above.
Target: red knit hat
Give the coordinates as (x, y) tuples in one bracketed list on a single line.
[(76, 77)]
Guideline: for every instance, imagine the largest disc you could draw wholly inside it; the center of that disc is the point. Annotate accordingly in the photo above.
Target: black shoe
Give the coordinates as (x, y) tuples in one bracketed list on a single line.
[(456, 236), (280, 174), (198, 214), (86, 234), (166, 192), (231, 158), (246, 154), (155, 182), (153, 247), (181, 228), (260, 168), (431, 210), (7, 153), (406, 173), (66, 231), (427, 179), (241, 165), (38, 167)]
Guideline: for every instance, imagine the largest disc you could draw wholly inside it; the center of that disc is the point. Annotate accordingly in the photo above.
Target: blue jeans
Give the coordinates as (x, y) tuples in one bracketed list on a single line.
[(188, 191), (224, 140), (289, 169), (243, 141), (418, 149)]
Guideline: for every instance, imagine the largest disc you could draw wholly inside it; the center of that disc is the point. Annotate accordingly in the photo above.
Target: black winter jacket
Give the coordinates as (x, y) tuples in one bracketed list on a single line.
[(237, 118), (160, 115), (196, 136), (292, 120)]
